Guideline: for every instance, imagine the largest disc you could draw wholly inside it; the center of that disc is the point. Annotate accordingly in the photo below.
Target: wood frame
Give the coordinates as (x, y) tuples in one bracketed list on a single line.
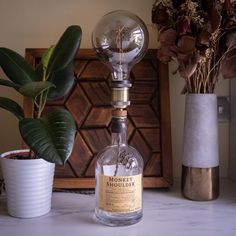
[(166, 180)]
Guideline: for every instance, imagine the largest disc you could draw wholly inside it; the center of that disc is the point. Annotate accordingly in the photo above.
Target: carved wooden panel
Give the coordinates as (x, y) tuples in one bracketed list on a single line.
[(89, 103)]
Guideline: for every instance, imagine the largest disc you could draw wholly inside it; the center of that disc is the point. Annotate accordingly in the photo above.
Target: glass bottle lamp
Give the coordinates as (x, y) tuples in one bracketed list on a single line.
[(120, 39)]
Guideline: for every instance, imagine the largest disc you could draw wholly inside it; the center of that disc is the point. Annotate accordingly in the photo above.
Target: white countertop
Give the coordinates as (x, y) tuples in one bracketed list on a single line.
[(166, 213)]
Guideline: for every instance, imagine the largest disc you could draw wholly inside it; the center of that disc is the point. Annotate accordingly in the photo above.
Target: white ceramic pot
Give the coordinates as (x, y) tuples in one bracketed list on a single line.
[(28, 185)]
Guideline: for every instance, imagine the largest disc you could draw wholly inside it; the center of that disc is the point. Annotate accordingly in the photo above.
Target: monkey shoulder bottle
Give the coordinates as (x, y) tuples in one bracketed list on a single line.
[(119, 180)]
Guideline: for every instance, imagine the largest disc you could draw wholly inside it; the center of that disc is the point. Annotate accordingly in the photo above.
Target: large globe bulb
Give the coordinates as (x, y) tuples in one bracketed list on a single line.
[(120, 39)]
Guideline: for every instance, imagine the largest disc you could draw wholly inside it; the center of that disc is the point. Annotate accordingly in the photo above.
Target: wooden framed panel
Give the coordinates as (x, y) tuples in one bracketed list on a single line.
[(89, 102)]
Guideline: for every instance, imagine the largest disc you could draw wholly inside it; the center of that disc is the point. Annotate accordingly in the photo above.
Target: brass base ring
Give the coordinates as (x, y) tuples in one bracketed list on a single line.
[(200, 184)]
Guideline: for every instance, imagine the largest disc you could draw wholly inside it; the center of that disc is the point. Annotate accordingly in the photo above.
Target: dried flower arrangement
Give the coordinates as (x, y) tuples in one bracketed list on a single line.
[(200, 35)]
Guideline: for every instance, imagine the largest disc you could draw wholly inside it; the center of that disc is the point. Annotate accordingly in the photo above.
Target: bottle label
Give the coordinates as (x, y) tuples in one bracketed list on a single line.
[(120, 194)]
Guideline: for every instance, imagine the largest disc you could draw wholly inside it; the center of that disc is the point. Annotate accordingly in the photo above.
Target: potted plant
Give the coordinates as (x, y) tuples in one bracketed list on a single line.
[(28, 174), (200, 36)]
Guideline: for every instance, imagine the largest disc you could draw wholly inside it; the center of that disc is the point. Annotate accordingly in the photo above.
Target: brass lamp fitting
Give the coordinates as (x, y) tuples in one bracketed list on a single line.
[(120, 94), (120, 97)]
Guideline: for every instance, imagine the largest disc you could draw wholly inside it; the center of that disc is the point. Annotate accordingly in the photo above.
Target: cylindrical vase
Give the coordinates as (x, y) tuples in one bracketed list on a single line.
[(200, 160)]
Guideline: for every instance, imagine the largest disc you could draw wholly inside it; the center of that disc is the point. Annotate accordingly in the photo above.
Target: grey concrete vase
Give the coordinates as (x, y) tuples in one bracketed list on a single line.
[(200, 160)]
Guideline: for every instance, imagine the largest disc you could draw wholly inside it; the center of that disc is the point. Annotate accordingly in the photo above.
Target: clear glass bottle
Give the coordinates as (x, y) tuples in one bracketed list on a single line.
[(119, 184)]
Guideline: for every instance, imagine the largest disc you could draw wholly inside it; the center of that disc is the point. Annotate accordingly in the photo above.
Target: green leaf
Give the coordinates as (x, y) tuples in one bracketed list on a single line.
[(46, 56), (64, 80), (12, 107), (8, 83), (33, 89), (66, 48), (50, 137), (16, 67)]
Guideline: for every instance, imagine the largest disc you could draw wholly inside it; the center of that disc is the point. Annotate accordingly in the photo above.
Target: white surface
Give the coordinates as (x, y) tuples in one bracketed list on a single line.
[(166, 213), (29, 185), (200, 145)]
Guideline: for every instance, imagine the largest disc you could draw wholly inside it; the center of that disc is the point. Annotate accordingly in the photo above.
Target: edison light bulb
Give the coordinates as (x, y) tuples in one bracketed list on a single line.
[(120, 39)]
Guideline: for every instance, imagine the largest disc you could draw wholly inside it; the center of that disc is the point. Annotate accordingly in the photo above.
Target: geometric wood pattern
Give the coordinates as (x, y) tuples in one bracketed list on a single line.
[(89, 103)]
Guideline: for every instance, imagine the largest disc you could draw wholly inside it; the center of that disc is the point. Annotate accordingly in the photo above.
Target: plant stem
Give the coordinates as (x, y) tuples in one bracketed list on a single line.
[(42, 96)]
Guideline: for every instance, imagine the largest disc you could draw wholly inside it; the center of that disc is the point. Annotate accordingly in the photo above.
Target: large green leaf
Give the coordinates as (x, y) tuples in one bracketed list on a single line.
[(16, 67), (33, 89), (50, 137), (12, 107), (63, 80), (66, 48), (8, 83), (46, 56)]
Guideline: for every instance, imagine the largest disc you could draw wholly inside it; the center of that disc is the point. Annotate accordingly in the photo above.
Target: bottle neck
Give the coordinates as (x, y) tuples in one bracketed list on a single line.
[(119, 139), (119, 132)]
